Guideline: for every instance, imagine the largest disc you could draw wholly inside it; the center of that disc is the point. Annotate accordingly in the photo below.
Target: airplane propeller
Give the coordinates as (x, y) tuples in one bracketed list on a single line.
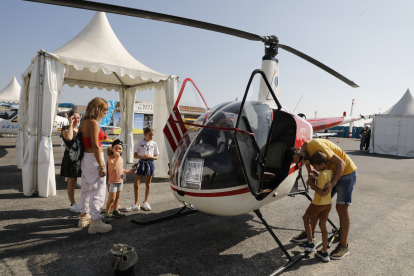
[(271, 41)]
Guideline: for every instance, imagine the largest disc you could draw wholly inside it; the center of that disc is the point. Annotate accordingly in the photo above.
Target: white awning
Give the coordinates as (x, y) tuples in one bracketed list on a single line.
[(96, 58)]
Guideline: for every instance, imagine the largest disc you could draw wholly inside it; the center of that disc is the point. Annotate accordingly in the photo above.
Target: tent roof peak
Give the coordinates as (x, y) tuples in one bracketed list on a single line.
[(97, 48), (98, 42), (405, 106), (11, 93)]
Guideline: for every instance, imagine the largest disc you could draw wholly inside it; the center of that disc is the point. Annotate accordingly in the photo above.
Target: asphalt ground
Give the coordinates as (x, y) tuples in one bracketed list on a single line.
[(39, 236)]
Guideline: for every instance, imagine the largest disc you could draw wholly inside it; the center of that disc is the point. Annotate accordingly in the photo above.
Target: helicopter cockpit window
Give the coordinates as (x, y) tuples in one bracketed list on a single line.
[(212, 161)]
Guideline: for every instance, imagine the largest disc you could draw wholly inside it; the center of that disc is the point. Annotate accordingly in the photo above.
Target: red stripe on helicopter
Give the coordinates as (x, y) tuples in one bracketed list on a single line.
[(293, 169), (217, 194), (213, 127), (227, 193), (173, 131)]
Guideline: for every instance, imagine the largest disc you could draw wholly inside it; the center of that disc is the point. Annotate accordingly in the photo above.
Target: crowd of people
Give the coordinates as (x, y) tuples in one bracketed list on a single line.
[(96, 178)]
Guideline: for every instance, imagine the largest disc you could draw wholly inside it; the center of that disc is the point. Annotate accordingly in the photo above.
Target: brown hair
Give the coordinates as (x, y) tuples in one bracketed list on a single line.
[(318, 158), (95, 108), (148, 129), (109, 151), (72, 112)]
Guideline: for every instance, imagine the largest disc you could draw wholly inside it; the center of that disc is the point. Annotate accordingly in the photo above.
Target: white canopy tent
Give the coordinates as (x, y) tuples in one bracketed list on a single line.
[(392, 131), (94, 58), (11, 93)]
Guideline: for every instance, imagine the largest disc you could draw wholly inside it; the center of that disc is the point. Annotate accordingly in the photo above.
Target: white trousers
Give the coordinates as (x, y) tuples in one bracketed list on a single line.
[(93, 186)]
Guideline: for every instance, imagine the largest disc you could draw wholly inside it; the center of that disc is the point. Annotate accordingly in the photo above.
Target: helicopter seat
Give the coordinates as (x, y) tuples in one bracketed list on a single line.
[(275, 155)]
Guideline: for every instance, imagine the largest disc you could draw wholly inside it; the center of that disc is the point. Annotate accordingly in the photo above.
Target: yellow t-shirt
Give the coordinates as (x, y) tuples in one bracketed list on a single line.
[(330, 149), (324, 177)]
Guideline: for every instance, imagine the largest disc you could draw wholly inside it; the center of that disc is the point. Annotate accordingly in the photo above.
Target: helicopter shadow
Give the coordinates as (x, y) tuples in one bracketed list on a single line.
[(198, 244)]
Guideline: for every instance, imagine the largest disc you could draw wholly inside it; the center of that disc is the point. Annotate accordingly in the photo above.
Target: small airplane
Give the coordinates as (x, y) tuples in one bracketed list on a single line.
[(8, 123), (231, 160)]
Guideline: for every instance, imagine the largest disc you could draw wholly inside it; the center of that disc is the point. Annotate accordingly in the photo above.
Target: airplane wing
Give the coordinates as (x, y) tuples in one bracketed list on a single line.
[(319, 124), (322, 134)]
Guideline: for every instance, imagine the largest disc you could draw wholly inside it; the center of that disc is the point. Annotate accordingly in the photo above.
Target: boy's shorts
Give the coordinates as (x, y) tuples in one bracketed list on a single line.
[(146, 167), (115, 187), (344, 188), (319, 211)]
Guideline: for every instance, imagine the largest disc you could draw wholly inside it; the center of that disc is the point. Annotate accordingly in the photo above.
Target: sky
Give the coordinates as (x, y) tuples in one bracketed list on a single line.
[(369, 42)]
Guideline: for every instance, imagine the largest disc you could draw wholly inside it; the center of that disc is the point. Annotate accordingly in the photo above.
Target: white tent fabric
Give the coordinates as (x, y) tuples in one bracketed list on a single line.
[(22, 137), (11, 93), (165, 97), (94, 58), (127, 101), (392, 132)]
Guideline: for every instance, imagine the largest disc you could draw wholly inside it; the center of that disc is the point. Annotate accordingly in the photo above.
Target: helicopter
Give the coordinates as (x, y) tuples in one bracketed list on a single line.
[(231, 159)]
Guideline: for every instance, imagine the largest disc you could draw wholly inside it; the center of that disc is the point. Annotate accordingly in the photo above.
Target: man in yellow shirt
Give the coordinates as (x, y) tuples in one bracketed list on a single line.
[(342, 184)]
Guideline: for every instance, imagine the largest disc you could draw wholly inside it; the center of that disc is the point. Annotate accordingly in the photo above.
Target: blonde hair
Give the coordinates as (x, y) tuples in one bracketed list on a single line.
[(148, 129), (109, 151), (95, 108)]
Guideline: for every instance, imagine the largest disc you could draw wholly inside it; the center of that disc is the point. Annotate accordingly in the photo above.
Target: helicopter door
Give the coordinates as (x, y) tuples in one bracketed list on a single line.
[(190, 104), (254, 117)]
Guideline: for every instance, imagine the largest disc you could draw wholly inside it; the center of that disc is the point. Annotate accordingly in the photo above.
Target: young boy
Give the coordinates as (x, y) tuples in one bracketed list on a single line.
[(320, 206)]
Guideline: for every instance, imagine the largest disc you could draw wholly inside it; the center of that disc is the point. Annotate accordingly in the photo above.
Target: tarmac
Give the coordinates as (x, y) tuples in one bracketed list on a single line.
[(39, 236)]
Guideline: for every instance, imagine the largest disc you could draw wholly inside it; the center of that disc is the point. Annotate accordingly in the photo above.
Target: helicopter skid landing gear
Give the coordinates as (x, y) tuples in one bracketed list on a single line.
[(295, 259), (180, 213)]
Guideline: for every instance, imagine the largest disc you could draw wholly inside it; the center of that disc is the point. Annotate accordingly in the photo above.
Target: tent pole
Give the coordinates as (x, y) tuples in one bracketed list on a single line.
[(39, 118), (116, 75)]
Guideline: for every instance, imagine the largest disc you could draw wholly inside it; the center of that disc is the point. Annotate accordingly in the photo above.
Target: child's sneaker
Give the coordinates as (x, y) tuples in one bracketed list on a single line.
[(146, 206), (323, 255), (302, 237), (106, 216), (75, 208), (307, 246), (112, 207), (117, 214), (133, 208)]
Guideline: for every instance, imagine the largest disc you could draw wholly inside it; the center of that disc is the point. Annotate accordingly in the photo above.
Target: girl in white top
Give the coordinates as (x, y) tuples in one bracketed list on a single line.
[(146, 151)]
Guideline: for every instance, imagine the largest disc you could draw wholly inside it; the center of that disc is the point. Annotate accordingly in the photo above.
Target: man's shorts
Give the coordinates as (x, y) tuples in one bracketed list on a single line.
[(115, 187), (144, 169), (319, 211), (344, 188)]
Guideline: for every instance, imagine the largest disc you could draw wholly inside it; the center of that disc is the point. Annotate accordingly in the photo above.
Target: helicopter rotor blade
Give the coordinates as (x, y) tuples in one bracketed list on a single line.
[(96, 6), (268, 40), (319, 64)]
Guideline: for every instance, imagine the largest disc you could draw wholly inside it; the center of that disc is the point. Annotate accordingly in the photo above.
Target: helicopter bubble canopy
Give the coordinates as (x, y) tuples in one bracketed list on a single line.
[(224, 141), (212, 161)]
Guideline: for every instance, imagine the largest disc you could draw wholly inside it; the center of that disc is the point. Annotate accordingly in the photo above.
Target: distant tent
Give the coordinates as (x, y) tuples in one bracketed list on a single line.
[(392, 131), (11, 93)]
